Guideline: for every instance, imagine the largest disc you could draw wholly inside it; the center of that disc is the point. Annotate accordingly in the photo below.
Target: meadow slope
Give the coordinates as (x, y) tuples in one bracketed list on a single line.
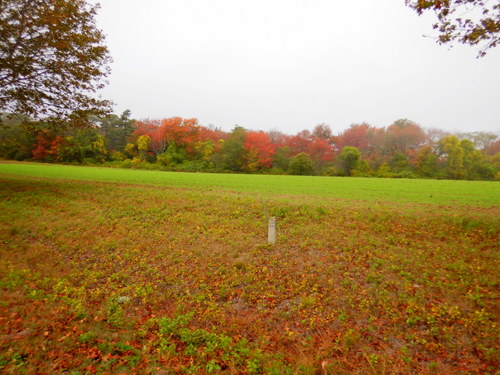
[(123, 271)]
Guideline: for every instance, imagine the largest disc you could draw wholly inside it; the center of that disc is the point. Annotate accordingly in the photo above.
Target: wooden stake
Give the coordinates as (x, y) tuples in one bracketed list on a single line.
[(271, 232)]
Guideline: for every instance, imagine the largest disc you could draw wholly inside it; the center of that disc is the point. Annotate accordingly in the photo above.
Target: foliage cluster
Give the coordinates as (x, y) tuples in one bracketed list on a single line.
[(403, 149)]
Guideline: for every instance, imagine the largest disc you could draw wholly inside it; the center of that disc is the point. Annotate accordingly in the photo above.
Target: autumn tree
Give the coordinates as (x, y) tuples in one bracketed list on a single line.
[(470, 22), (323, 132), (52, 60), (316, 144), (403, 136), (492, 149), (143, 143), (300, 142), (46, 145), (321, 153), (364, 137), (152, 129), (183, 132), (278, 138), (260, 150), (211, 133)]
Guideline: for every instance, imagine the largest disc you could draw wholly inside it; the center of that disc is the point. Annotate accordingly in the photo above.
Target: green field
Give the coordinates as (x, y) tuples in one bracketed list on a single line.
[(125, 271), (443, 192)]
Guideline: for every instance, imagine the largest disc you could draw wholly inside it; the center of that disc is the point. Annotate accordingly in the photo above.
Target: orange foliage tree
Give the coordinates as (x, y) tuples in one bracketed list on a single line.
[(260, 150), (46, 146), (151, 128)]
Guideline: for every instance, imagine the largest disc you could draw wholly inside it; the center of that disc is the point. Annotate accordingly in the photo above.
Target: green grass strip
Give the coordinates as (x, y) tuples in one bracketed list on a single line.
[(440, 192)]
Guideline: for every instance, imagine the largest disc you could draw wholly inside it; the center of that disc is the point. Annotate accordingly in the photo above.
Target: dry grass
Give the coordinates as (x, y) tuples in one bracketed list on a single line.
[(92, 273)]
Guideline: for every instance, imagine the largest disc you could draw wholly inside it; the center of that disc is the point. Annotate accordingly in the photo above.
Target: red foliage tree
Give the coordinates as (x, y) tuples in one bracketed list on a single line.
[(260, 145), (46, 146), (493, 148), (318, 145), (278, 138), (404, 137), (183, 132), (324, 133), (152, 128), (320, 151), (300, 142), (211, 134), (364, 137)]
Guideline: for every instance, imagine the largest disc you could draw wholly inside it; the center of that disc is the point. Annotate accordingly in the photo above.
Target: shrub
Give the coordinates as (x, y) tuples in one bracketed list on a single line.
[(301, 164), (117, 156)]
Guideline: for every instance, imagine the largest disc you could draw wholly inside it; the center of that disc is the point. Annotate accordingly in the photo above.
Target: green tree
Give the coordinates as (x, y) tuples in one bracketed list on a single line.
[(52, 60), (81, 144), (301, 164), (348, 160), (232, 153), (204, 150), (470, 22), (15, 142), (399, 163), (362, 168), (117, 130), (426, 164), (461, 160), (282, 158), (172, 155), (454, 157), (476, 167), (494, 161)]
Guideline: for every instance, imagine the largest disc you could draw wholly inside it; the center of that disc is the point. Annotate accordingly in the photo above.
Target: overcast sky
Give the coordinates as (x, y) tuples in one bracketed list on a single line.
[(292, 64)]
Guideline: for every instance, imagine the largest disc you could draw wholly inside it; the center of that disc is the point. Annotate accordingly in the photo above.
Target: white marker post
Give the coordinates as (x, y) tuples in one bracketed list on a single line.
[(271, 230)]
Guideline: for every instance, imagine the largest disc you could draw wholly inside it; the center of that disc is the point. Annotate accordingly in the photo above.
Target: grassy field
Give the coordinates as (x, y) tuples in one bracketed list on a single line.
[(444, 192), (124, 271)]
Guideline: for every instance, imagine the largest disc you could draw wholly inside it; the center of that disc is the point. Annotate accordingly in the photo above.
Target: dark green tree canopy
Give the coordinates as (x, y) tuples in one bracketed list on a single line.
[(52, 60), (348, 159), (470, 22), (301, 164), (116, 129)]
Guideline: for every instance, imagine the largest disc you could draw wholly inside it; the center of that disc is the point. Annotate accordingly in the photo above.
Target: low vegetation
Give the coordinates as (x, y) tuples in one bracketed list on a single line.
[(110, 271)]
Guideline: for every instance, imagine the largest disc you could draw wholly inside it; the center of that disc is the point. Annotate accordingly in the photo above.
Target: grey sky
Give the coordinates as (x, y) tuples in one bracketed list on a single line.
[(293, 64)]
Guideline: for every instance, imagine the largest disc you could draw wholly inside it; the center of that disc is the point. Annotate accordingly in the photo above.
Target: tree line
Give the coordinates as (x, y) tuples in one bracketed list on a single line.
[(402, 149)]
